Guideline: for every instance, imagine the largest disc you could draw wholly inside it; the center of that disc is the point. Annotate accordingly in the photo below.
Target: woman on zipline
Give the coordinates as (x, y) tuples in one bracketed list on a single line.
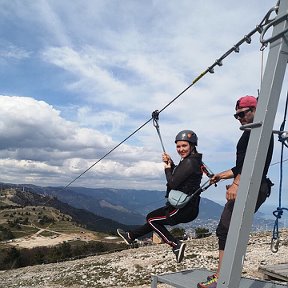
[(185, 177)]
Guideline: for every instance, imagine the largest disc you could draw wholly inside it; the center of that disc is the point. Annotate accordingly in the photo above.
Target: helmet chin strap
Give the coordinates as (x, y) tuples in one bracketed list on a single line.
[(193, 149)]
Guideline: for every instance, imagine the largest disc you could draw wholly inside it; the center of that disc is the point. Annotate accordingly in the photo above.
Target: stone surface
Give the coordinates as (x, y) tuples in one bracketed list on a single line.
[(134, 267)]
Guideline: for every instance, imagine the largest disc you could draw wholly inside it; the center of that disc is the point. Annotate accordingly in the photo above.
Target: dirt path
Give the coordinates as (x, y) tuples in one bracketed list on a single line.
[(37, 239)]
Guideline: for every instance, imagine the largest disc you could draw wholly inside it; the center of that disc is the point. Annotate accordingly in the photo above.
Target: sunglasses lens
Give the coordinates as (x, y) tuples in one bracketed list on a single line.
[(239, 115)]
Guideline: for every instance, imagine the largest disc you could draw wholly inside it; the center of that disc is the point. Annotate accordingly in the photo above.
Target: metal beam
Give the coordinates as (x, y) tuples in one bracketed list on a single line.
[(251, 175)]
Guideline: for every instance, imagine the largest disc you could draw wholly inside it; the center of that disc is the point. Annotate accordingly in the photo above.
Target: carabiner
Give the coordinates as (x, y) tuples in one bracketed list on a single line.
[(274, 245), (155, 117)]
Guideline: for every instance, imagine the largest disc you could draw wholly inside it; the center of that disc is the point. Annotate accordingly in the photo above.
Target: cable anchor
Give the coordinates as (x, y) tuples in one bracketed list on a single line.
[(269, 23)]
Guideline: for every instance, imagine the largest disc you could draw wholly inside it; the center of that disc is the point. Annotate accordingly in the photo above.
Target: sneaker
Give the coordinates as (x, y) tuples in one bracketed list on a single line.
[(210, 277), (179, 251), (125, 236), (212, 283)]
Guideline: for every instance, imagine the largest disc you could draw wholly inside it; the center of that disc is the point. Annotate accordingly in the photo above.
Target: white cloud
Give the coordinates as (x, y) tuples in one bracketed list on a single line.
[(92, 78), (10, 51), (37, 141)]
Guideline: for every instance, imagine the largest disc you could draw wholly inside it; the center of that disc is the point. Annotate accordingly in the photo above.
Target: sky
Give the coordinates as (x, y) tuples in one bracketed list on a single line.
[(78, 77)]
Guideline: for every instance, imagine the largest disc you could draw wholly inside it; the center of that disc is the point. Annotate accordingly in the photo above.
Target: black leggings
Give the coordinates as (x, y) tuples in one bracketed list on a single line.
[(223, 226), (167, 215)]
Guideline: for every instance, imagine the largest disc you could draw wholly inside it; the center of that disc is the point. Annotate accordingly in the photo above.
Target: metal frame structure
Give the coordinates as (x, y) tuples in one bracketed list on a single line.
[(261, 129)]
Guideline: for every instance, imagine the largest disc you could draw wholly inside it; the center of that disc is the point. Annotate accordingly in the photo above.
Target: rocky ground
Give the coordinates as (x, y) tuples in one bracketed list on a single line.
[(134, 267)]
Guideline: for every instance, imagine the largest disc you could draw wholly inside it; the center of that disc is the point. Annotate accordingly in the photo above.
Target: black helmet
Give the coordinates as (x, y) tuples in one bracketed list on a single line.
[(187, 135)]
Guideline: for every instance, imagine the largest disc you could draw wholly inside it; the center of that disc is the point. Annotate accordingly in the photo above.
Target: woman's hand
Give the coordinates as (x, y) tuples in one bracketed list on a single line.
[(167, 160)]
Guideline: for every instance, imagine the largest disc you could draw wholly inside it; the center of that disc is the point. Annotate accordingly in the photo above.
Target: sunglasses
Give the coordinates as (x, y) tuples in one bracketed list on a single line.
[(241, 114)]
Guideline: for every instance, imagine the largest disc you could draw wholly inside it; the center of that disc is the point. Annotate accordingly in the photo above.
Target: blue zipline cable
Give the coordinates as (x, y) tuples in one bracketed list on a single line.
[(279, 211)]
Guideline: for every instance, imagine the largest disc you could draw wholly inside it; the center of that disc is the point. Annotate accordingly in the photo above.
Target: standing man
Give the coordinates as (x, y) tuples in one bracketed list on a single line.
[(245, 111)]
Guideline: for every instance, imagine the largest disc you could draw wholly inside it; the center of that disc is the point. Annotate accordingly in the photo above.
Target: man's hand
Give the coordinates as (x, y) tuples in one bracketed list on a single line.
[(215, 178), (231, 192), (228, 174)]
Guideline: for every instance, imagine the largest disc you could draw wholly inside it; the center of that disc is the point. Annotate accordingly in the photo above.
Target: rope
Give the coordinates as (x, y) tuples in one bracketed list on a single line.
[(275, 241), (219, 62), (261, 69), (275, 163)]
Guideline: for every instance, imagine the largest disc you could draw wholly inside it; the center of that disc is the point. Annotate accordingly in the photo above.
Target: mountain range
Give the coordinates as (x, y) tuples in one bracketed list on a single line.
[(100, 208), (24, 197), (126, 206)]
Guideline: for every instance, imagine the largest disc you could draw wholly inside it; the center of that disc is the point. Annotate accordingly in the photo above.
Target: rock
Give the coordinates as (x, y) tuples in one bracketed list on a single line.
[(134, 267)]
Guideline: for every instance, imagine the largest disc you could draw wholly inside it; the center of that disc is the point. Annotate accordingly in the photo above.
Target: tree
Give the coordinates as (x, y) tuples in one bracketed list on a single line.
[(12, 259), (5, 234), (178, 232), (201, 232), (65, 249)]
